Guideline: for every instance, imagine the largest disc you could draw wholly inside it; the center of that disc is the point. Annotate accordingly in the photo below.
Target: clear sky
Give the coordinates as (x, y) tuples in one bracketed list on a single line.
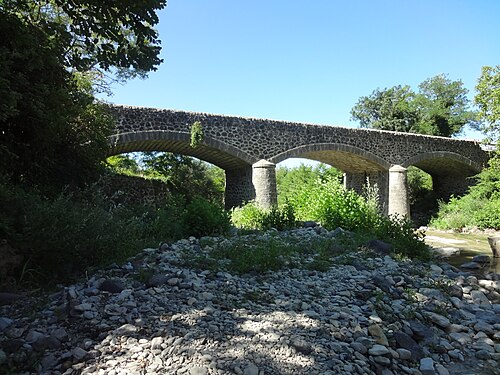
[(310, 61)]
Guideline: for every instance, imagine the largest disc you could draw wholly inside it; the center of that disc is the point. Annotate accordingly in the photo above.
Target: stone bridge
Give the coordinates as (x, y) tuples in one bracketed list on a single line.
[(249, 148)]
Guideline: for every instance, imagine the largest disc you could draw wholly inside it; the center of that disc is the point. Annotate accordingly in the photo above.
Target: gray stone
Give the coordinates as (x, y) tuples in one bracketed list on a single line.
[(483, 354), (439, 320), (112, 286), (251, 369), (378, 334), (378, 350), (441, 370), (198, 370), (125, 330), (3, 357), (480, 299), (471, 265), (481, 259), (156, 280), (9, 298), (4, 323), (78, 353), (427, 366)]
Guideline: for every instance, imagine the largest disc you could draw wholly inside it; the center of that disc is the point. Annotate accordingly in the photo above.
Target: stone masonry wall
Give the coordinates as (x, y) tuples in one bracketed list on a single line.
[(268, 139)]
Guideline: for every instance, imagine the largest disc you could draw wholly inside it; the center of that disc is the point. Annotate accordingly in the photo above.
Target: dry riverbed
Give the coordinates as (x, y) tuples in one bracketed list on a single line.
[(169, 311)]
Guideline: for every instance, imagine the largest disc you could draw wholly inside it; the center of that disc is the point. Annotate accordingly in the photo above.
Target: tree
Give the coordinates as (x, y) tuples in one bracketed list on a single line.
[(440, 107), (52, 129), (488, 101), (388, 109), (185, 175), (443, 107)]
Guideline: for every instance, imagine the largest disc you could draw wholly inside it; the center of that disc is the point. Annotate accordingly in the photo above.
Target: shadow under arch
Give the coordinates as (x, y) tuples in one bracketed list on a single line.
[(344, 157), (210, 150), (444, 163)]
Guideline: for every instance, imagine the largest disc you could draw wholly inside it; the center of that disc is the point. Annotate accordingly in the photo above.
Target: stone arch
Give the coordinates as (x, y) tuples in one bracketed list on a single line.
[(445, 161), (451, 172), (211, 150), (345, 157)]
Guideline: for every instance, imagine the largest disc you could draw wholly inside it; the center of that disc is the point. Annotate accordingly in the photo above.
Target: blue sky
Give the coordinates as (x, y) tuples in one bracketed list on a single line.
[(311, 61)]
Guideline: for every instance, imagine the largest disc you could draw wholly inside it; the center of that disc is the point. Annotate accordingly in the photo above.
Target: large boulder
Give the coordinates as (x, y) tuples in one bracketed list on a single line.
[(495, 246)]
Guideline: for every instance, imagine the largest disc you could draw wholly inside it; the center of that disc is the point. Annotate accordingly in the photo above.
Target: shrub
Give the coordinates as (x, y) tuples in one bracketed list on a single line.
[(204, 218), (251, 217), (60, 238), (333, 206)]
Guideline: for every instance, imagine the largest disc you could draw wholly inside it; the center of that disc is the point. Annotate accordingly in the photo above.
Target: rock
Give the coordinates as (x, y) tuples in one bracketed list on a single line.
[(112, 286), (198, 370), (406, 342), (480, 299), (46, 343), (495, 246), (3, 357), (455, 291), (483, 354), (251, 369), (441, 370), (404, 354), (125, 330), (439, 320), (378, 350), (427, 366), (9, 298), (301, 346), (481, 259), (471, 266), (378, 334), (156, 280), (436, 270), (379, 247), (78, 353), (4, 323)]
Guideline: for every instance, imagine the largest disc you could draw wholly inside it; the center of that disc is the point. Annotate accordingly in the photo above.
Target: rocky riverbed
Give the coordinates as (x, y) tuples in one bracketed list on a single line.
[(161, 313)]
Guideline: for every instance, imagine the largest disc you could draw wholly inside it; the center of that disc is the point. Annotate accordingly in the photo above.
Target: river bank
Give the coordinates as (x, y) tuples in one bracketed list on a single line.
[(177, 310)]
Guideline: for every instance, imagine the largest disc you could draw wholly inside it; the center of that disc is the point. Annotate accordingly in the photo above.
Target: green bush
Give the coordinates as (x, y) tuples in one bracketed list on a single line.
[(253, 217), (333, 206), (61, 238), (204, 218)]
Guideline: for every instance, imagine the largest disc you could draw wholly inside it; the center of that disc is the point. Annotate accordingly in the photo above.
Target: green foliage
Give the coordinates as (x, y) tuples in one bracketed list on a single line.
[(389, 109), (419, 184), (252, 217), (196, 134), (333, 206), (206, 218), (184, 175), (93, 35), (62, 237), (258, 255), (248, 217), (290, 180), (478, 208), (439, 108), (54, 132), (488, 101), (123, 164)]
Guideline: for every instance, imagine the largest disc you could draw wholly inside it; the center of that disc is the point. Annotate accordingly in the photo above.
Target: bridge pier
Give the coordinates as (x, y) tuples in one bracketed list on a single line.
[(239, 187), (378, 180), (264, 183), (398, 202)]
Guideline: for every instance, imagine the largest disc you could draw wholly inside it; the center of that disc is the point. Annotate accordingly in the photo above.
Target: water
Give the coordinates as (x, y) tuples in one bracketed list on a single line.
[(467, 246)]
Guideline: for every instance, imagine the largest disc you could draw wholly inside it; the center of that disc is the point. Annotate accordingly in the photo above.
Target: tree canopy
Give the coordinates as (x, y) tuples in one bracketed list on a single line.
[(57, 54), (488, 101), (440, 107)]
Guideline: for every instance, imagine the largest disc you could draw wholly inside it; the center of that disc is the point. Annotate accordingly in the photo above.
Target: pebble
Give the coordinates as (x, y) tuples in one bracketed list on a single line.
[(368, 315)]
